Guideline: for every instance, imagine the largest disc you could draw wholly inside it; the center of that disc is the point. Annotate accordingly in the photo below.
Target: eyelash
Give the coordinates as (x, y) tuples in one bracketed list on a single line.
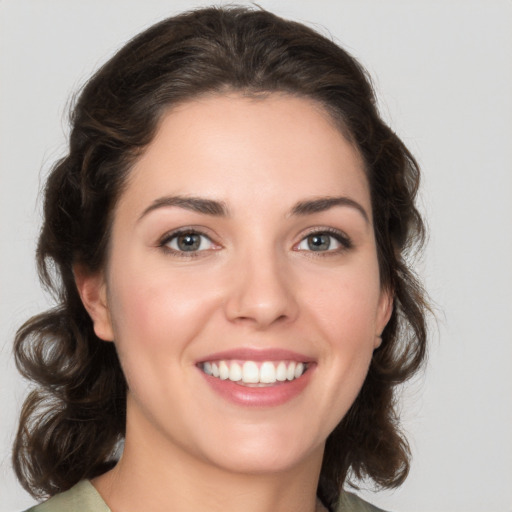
[(169, 237), (339, 236)]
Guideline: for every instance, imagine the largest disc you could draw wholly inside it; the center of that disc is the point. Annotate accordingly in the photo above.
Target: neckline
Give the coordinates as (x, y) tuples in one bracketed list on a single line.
[(89, 488)]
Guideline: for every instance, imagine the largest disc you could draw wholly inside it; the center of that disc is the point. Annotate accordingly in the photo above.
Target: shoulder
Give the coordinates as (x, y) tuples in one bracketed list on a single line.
[(351, 503), (83, 497)]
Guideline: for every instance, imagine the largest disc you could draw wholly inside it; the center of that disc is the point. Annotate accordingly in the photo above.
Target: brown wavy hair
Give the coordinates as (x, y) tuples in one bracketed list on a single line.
[(72, 421)]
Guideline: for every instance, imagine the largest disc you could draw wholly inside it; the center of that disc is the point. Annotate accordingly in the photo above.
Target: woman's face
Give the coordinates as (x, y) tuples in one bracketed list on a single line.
[(242, 289)]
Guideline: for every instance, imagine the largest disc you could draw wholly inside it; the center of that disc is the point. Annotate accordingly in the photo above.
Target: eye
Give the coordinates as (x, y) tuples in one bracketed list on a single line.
[(187, 242), (324, 241)]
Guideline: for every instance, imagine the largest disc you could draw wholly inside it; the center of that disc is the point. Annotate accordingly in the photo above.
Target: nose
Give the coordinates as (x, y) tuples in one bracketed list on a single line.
[(261, 292)]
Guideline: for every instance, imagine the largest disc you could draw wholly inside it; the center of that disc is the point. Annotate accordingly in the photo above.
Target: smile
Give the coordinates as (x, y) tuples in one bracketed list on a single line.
[(254, 373)]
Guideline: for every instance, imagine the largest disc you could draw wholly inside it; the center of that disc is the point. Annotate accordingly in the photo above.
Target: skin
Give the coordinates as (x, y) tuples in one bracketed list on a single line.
[(254, 284)]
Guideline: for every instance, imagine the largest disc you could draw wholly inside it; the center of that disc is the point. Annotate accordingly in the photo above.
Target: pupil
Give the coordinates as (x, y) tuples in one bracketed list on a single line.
[(319, 242), (189, 242)]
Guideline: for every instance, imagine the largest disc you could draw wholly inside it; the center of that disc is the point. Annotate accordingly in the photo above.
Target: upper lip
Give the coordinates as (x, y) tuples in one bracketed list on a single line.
[(251, 354)]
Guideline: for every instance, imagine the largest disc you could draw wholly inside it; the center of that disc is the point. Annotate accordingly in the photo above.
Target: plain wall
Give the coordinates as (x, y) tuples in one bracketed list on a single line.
[(443, 73)]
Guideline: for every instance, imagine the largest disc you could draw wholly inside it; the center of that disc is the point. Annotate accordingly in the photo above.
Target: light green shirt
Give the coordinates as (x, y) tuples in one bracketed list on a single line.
[(83, 497)]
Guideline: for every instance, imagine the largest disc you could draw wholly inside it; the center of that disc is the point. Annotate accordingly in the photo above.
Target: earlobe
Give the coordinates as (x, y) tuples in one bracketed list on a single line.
[(384, 314), (93, 292)]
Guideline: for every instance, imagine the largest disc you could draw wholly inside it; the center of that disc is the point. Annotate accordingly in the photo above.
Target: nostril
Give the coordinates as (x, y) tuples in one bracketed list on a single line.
[(261, 295)]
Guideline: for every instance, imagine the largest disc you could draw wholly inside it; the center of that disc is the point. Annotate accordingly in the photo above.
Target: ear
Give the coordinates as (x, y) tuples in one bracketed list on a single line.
[(93, 292), (385, 308)]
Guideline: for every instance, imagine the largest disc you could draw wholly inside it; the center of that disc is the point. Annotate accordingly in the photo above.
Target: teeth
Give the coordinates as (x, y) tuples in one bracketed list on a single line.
[(281, 372), (250, 372), (290, 372), (223, 370), (235, 372), (267, 373)]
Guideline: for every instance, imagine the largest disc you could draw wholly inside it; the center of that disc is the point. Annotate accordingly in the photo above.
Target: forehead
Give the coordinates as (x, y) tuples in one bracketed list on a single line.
[(231, 147)]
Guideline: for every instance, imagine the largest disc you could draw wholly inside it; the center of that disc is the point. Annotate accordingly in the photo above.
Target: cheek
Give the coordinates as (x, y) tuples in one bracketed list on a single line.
[(155, 308), (347, 303), (344, 312), (154, 320)]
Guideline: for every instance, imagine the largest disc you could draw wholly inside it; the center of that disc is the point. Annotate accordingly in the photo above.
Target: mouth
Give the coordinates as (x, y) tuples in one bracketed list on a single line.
[(250, 377), (254, 373)]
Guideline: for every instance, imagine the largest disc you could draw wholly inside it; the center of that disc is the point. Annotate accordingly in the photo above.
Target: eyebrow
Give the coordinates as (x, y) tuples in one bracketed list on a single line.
[(219, 208), (325, 203), (195, 204)]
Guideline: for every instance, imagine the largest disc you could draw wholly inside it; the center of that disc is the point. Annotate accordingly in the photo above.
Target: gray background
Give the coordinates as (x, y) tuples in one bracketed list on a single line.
[(443, 73)]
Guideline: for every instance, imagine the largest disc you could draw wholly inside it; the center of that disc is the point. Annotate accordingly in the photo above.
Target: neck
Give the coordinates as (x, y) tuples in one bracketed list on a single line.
[(150, 478)]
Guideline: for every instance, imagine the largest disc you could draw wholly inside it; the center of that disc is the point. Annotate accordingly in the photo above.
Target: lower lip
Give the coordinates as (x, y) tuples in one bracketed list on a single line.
[(267, 396)]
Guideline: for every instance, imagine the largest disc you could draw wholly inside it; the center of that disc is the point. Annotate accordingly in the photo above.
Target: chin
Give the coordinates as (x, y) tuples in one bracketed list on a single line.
[(263, 463), (271, 452)]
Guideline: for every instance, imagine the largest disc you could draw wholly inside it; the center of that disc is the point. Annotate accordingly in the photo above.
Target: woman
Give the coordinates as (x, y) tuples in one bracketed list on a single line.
[(226, 240)]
